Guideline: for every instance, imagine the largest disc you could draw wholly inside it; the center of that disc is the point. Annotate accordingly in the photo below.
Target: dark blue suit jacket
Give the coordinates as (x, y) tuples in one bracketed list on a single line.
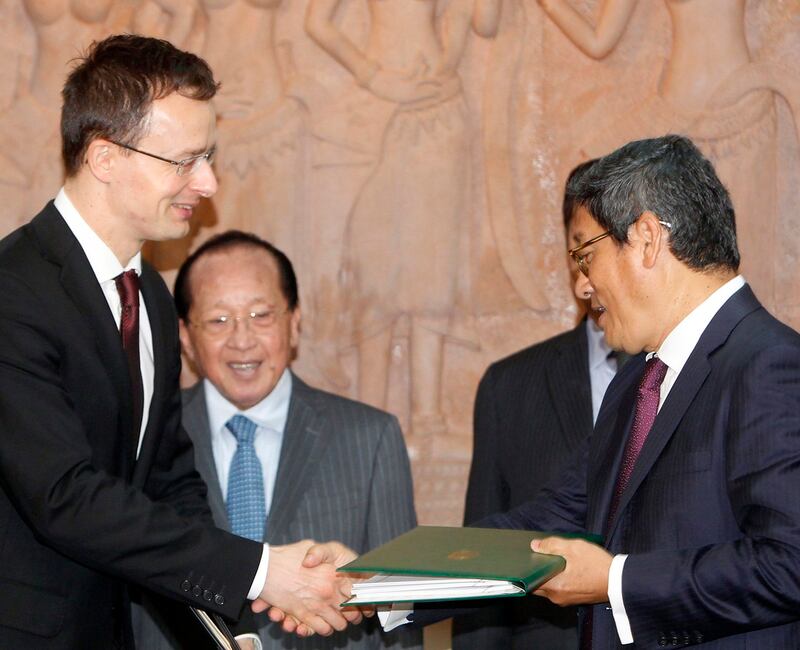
[(711, 516)]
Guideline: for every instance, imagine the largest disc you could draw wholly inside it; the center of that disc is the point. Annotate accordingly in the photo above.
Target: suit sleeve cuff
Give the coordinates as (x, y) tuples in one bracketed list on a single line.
[(260, 578), (621, 621)]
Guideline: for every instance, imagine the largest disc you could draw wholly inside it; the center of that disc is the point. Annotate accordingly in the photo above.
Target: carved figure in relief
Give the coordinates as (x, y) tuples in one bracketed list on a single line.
[(404, 244), (708, 46), (29, 138), (260, 122)]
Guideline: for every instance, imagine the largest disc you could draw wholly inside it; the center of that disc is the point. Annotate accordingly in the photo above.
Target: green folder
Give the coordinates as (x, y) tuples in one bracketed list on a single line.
[(500, 556)]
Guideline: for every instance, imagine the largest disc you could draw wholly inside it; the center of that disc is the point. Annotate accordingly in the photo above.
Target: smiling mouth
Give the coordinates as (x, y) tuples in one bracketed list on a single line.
[(185, 207), (244, 366)]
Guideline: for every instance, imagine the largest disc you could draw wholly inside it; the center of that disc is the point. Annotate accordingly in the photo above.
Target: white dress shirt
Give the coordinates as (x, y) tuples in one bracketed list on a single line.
[(106, 267), (270, 416), (674, 351)]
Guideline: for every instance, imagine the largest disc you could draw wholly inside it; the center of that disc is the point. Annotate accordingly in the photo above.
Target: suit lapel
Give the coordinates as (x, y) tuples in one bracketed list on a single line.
[(569, 375), (161, 362), (59, 245), (304, 441), (195, 420), (683, 392)]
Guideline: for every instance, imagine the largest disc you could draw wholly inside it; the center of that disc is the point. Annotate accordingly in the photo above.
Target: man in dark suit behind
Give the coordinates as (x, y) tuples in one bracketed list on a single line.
[(97, 482), (533, 410), (329, 467)]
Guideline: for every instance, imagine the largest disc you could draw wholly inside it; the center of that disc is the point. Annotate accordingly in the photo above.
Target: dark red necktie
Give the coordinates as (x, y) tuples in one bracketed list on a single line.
[(647, 399), (128, 289)]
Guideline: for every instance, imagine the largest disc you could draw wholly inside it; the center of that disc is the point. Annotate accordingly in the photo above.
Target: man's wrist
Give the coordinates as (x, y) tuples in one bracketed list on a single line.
[(260, 579)]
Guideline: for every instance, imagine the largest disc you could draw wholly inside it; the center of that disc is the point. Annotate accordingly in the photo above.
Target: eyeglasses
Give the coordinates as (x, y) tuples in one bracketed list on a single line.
[(225, 324), (183, 167), (583, 260)]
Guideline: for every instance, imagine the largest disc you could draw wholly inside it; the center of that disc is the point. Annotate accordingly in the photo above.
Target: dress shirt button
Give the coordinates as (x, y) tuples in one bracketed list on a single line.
[(207, 595), (219, 599), (196, 591), (186, 585)]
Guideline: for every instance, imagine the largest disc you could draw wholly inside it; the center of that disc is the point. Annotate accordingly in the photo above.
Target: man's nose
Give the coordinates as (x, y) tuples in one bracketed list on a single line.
[(583, 288)]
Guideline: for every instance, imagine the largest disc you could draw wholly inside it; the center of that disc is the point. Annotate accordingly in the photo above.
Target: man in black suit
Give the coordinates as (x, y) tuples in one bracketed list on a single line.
[(533, 410), (97, 481)]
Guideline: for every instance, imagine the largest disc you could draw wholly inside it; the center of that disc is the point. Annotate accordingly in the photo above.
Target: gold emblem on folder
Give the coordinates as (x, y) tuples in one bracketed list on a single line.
[(463, 554)]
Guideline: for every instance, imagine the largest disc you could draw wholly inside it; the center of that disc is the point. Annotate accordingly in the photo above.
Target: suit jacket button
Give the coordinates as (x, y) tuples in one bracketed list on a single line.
[(196, 591), (207, 595), (186, 585), (698, 637), (219, 599), (662, 640)]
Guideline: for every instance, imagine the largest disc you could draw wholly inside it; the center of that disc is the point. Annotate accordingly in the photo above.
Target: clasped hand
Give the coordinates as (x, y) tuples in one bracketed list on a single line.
[(584, 581), (303, 591)]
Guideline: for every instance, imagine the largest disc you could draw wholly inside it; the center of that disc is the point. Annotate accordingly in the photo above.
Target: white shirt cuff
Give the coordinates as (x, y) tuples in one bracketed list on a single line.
[(615, 598), (261, 575), (394, 616), (253, 637)]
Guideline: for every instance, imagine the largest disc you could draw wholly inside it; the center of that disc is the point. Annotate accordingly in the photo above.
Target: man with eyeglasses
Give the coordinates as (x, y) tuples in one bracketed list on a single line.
[(98, 489), (692, 471), (317, 465)]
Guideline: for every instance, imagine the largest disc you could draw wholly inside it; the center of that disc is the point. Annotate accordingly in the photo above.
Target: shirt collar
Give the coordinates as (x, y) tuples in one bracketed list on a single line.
[(680, 342), (270, 413), (104, 263), (598, 348)]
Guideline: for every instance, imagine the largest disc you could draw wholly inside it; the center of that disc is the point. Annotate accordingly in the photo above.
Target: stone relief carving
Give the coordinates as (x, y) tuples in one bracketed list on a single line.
[(738, 131), (406, 257), (410, 154)]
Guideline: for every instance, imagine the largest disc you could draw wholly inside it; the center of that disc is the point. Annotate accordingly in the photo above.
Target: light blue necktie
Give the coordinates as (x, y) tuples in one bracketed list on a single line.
[(247, 511)]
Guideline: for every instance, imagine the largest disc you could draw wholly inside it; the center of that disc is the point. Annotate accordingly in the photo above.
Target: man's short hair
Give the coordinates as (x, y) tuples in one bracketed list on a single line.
[(669, 177), (111, 89), (226, 241), (571, 188)]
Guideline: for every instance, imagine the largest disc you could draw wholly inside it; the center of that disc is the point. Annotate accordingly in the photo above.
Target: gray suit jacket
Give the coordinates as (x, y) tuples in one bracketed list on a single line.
[(343, 474)]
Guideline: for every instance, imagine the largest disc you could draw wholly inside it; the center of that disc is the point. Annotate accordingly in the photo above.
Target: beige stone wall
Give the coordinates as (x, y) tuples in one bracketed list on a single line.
[(410, 159)]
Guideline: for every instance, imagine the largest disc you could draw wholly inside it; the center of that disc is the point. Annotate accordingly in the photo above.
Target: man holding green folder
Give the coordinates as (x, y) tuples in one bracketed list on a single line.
[(692, 471)]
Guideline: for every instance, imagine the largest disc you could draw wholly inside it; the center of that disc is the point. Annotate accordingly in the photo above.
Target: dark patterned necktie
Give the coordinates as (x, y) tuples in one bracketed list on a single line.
[(128, 289), (647, 399)]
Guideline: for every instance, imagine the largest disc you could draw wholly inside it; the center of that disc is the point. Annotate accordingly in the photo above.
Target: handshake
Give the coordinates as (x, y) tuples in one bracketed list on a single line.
[(303, 590)]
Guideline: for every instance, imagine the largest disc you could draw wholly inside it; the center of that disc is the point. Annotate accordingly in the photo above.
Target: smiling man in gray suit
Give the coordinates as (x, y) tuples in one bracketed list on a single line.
[(282, 460)]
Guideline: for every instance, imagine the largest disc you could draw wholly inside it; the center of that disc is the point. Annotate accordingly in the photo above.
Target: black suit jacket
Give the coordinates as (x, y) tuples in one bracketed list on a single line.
[(78, 518), (532, 411)]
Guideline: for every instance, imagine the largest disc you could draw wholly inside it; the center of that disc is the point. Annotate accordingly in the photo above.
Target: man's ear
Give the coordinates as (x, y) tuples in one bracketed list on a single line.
[(186, 341), (652, 236), (294, 325), (101, 158)]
